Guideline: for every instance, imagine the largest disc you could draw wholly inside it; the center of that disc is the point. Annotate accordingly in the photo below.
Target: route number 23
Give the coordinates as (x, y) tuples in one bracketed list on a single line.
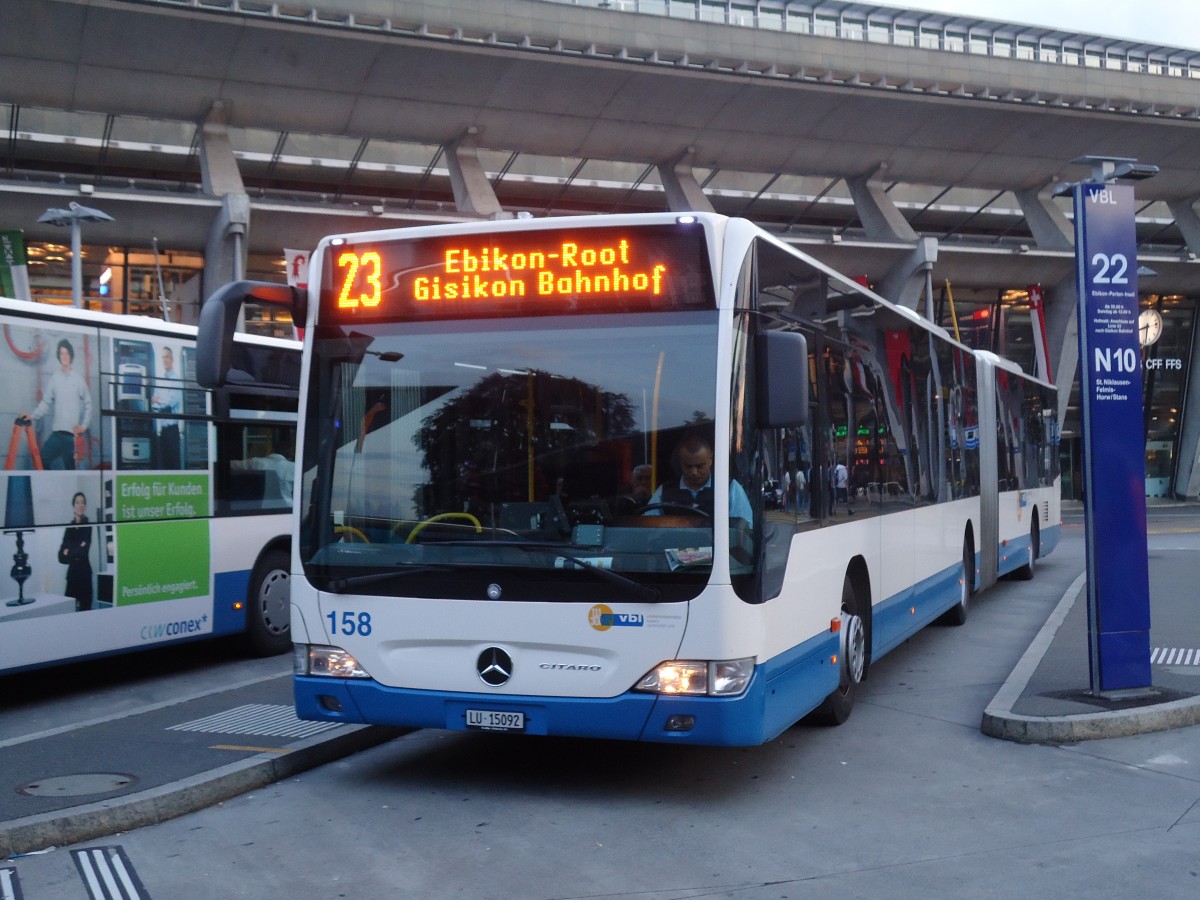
[(368, 267)]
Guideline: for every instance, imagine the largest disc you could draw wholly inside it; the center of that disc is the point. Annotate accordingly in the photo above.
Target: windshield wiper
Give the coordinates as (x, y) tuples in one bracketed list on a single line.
[(640, 591), (341, 585), (643, 592)]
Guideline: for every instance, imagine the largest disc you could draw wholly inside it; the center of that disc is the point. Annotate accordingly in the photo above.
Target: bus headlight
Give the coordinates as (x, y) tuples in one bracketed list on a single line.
[(695, 677), (325, 662)]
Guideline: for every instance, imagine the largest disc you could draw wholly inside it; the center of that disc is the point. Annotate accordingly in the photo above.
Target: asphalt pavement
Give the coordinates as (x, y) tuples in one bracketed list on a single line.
[(100, 777), (83, 780)]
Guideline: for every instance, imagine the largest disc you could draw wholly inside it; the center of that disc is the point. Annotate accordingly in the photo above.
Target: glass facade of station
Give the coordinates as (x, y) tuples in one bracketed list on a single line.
[(157, 282), (1166, 365)]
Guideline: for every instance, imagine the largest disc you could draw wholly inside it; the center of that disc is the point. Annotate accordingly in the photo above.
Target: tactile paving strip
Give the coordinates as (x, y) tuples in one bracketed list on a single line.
[(257, 719)]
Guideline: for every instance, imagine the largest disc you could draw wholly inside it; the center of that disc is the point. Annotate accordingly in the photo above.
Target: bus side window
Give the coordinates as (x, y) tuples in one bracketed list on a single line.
[(256, 468)]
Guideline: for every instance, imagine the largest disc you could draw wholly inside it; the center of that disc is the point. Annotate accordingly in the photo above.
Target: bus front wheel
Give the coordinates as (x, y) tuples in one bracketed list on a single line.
[(852, 661), (268, 610)]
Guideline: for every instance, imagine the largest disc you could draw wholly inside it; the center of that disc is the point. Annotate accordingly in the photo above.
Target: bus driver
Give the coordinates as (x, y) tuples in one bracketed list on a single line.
[(694, 460)]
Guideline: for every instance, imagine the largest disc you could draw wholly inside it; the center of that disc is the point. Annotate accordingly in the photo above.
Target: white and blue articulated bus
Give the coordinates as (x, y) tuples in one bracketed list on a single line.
[(139, 508), (656, 477)]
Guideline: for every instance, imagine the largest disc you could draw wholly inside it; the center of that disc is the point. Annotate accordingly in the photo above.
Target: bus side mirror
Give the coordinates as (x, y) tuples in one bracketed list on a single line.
[(219, 319), (782, 386)]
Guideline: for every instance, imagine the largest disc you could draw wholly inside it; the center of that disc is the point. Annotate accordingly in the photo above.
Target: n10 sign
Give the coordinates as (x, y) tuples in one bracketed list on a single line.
[(1113, 437)]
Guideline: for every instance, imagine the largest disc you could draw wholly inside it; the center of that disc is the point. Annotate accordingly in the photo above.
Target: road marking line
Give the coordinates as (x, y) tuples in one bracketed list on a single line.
[(108, 874), (1175, 656), (10, 885)]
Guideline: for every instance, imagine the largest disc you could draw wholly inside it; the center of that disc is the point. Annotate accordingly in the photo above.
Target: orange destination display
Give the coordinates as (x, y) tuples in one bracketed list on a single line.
[(552, 271)]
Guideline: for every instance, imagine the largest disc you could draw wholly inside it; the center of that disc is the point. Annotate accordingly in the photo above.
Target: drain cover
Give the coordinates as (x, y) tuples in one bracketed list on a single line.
[(79, 785)]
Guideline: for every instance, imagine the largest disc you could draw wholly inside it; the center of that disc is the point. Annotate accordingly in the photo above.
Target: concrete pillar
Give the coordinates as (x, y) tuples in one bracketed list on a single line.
[(879, 215), (228, 233), (683, 191), (906, 282), (218, 166), (1187, 221), (473, 194), (1187, 466), (225, 247), (1049, 225), (1062, 339)]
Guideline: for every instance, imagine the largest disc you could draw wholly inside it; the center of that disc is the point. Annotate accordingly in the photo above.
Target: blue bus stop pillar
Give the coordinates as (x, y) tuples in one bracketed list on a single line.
[(1110, 367)]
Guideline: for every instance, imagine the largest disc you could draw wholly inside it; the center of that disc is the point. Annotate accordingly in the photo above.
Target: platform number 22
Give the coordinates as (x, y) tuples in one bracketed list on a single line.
[(1110, 269)]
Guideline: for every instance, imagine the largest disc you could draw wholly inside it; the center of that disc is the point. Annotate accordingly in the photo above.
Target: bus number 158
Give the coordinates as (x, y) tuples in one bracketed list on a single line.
[(350, 623)]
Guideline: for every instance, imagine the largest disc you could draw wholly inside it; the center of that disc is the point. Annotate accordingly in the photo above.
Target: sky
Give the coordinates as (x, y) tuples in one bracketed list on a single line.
[(1171, 23)]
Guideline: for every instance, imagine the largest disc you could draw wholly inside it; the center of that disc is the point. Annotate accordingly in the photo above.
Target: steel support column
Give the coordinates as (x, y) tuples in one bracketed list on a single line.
[(880, 217), (1047, 223), (473, 193), (907, 281), (683, 191)]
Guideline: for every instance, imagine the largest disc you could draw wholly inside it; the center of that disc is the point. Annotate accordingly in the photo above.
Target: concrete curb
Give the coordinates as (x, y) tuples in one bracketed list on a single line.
[(999, 721), (108, 817)]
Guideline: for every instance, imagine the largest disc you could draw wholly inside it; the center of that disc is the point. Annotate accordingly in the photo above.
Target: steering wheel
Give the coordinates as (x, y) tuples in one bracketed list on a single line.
[(442, 517), (678, 508)]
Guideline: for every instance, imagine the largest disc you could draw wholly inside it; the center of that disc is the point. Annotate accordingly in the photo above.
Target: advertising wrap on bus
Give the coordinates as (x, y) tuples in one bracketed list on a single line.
[(117, 517)]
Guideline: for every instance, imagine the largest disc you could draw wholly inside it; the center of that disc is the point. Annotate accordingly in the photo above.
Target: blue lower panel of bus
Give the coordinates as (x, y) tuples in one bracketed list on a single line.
[(1015, 553), (1049, 538), (902, 615), (782, 690), (230, 588)]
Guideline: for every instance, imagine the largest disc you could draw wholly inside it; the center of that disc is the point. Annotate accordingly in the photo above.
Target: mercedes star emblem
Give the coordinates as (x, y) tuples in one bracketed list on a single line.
[(495, 666)]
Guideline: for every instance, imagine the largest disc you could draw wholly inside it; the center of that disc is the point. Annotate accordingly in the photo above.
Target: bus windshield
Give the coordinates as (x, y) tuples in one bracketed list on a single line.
[(508, 459)]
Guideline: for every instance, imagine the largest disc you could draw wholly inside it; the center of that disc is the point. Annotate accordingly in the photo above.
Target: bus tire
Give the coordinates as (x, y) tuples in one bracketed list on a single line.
[(1025, 573), (852, 661), (957, 614), (269, 604)]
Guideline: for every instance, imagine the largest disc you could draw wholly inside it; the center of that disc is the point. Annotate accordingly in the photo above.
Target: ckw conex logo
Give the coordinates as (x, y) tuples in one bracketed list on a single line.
[(602, 618)]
